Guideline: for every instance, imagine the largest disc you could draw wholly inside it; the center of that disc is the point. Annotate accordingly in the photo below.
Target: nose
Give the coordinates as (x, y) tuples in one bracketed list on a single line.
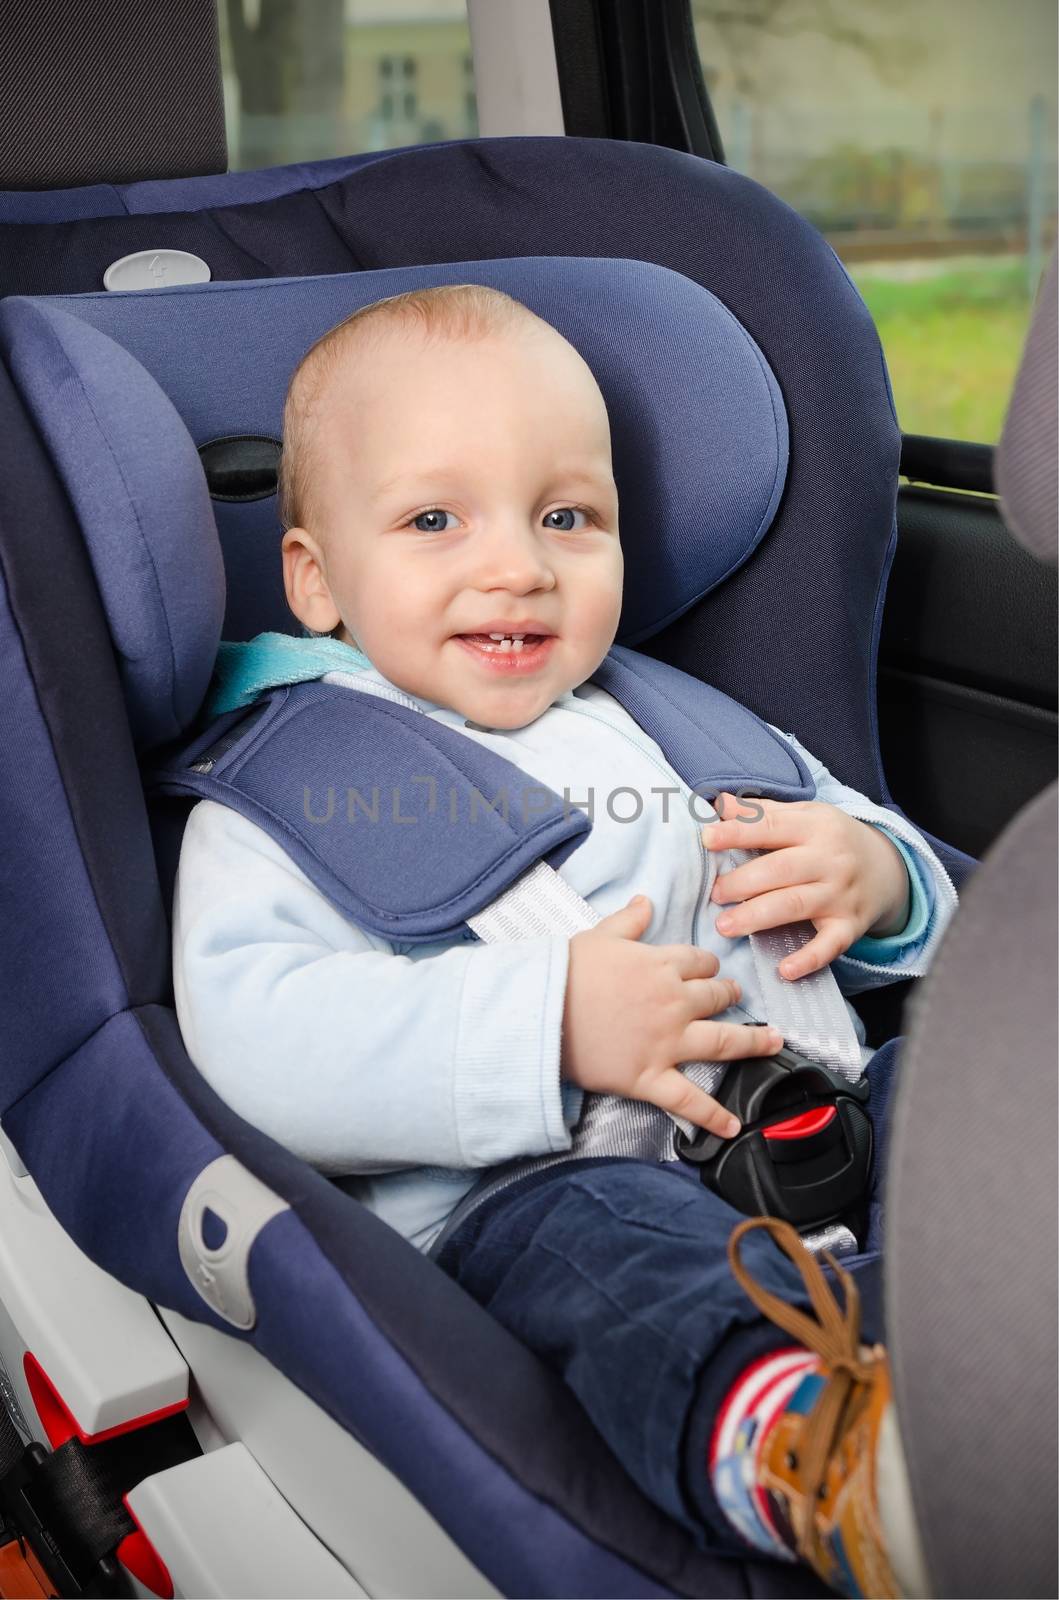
[(511, 557)]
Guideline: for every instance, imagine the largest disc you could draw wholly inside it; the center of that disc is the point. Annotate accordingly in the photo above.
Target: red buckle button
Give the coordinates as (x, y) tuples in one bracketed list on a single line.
[(803, 1125)]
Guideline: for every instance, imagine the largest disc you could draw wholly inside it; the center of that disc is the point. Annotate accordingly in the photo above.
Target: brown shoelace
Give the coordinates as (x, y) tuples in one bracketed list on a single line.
[(835, 1338)]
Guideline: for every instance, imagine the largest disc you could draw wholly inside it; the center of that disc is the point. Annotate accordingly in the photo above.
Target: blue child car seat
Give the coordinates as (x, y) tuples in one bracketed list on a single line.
[(589, 198), (114, 601)]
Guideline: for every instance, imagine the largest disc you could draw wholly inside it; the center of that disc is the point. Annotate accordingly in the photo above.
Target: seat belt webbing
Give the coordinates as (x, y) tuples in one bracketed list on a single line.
[(810, 1013)]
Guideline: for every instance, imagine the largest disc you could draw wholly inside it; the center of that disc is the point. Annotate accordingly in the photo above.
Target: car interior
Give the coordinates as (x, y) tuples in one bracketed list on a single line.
[(305, 1405)]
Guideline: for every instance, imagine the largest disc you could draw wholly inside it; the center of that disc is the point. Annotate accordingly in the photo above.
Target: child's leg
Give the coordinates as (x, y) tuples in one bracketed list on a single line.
[(616, 1273)]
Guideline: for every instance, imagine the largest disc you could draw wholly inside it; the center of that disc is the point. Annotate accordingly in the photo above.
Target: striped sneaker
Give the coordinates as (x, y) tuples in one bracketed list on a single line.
[(818, 1462)]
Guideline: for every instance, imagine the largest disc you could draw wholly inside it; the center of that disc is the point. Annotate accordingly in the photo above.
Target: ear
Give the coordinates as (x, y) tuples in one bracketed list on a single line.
[(305, 582)]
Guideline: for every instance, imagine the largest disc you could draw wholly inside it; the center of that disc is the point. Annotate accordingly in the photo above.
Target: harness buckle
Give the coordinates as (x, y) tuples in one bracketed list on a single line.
[(804, 1150)]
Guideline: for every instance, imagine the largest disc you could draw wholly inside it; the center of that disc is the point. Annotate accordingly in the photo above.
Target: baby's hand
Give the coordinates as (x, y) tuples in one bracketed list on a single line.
[(633, 1011), (822, 866)]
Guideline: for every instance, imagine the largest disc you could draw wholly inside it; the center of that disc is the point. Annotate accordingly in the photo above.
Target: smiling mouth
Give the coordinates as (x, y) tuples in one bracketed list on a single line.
[(506, 654), (501, 642)]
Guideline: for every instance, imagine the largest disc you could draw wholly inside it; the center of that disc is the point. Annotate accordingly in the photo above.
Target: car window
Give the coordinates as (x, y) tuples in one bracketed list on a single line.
[(308, 79), (920, 138)]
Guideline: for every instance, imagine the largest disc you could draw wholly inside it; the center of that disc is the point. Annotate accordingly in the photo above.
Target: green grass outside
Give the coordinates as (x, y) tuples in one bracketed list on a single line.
[(952, 344)]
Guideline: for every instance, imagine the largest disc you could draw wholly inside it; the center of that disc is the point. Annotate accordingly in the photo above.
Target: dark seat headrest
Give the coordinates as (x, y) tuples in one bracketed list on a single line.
[(1026, 469), (109, 93)]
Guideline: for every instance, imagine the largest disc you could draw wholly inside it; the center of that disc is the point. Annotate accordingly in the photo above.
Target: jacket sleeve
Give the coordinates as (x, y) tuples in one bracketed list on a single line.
[(356, 1057), (870, 963)]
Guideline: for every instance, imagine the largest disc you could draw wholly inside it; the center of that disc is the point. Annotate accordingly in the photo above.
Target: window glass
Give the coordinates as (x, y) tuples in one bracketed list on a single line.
[(920, 138), (309, 79)]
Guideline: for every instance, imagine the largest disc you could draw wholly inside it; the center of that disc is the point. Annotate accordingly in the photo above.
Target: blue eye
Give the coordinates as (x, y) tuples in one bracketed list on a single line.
[(425, 516), (567, 511), (431, 521)]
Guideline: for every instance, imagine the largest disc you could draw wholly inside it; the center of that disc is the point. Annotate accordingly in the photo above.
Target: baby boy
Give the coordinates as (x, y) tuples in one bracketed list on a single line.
[(452, 544)]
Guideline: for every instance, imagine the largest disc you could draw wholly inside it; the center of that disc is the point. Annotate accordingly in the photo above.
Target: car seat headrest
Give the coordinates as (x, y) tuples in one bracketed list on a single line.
[(109, 94), (135, 482), (698, 427), (1026, 470)]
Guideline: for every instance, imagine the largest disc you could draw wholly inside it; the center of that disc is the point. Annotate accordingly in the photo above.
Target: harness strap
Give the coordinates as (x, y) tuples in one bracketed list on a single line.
[(809, 1012)]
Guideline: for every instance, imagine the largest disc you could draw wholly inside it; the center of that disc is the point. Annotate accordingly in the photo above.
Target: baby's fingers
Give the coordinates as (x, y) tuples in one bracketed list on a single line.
[(774, 910), (727, 1041), (832, 939), (707, 996), (679, 1096)]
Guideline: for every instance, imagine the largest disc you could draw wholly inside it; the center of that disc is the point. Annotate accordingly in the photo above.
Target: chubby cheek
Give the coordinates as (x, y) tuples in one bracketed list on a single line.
[(396, 623), (597, 620)]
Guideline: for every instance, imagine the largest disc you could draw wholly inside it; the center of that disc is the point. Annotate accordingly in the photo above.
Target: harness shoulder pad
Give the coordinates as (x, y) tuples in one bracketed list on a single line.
[(403, 823), (709, 738)]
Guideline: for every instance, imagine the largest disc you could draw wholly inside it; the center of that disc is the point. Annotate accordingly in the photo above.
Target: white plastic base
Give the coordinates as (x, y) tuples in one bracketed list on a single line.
[(249, 1540), (101, 1345), (352, 1503), (283, 1501)]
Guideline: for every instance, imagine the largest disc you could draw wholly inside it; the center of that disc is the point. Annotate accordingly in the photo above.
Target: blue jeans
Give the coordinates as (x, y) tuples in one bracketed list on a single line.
[(615, 1273)]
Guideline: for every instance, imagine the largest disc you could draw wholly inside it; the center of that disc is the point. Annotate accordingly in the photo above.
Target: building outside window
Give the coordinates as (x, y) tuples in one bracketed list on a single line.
[(920, 138), (305, 80)]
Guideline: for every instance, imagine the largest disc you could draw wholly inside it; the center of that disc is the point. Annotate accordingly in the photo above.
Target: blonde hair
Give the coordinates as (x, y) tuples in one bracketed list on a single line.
[(450, 311)]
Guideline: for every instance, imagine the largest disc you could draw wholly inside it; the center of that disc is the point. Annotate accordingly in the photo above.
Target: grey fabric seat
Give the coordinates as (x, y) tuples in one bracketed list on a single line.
[(971, 1185)]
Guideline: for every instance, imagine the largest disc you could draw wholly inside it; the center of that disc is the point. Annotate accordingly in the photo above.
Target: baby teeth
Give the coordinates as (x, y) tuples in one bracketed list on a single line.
[(508, 641)]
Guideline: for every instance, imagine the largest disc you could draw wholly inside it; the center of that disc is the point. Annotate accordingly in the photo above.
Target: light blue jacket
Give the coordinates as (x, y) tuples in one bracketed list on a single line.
[(415, 1067)]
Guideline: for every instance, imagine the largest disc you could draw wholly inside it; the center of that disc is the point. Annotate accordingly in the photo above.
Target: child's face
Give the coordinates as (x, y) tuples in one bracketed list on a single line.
[(501, 441)]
